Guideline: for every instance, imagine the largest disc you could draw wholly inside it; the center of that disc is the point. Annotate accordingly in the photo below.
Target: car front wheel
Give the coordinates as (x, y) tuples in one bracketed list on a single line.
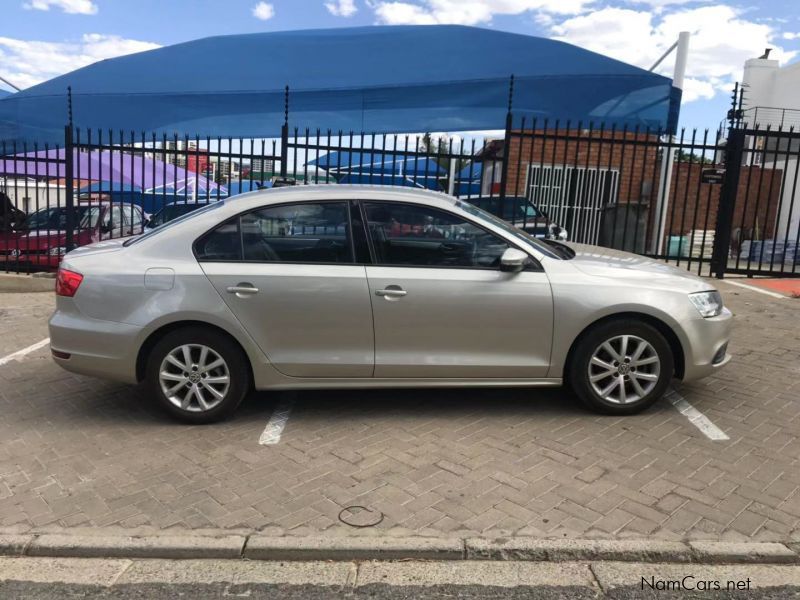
[(197, 375), (621, 367)]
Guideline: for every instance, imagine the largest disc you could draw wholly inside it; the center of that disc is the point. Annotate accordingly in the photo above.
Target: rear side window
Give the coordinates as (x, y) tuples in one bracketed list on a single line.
[(291, 233), (222, 244)]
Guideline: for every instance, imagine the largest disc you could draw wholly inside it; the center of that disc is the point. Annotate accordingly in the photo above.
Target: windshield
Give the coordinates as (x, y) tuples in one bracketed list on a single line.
[(86, 217), (515, 231), (169, 224)]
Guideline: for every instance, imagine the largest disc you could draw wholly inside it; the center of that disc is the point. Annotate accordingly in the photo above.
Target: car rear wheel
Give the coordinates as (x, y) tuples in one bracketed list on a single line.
[(197, 375), (621, 367)]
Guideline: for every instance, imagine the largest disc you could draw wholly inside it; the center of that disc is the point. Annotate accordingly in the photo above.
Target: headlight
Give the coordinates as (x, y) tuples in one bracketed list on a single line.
[(708, 304), (58, 251)]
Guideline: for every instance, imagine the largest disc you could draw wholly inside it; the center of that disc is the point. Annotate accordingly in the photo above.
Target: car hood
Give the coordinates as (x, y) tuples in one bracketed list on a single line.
[(607, 262)]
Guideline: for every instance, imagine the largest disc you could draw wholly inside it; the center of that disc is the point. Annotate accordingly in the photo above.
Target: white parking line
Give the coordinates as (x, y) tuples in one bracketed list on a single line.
[(753, 288), (24, 351), (696, 418), (272, 432)]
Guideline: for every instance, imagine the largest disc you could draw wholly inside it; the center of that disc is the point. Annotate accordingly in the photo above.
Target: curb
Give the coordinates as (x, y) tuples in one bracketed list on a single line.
[(316, 548), (167, 546), (569, 550), (353, 548), (22, 284)]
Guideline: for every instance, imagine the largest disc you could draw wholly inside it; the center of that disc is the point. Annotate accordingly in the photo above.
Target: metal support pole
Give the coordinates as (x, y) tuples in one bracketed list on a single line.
[(69, 105), (69, 164), (668, 156), (285, 135), (506, 147), (734, 151)]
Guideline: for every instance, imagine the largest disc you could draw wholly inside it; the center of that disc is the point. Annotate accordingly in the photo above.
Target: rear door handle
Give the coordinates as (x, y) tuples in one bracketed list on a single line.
[(243, 289), (390, 292)]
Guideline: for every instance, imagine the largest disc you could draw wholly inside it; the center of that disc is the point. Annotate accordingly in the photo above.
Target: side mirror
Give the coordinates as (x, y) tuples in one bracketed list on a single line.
[(513, 260)]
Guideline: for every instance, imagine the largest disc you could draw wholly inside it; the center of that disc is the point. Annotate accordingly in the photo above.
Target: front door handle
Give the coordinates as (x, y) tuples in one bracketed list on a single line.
[(391, 292), (242, 290)]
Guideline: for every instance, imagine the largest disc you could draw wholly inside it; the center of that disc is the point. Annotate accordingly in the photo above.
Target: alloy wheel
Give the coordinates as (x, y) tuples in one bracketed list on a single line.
[(194, 377), (624, 369)]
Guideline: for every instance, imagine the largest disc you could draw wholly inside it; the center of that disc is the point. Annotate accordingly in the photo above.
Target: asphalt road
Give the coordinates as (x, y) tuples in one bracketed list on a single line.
[(55, 591)]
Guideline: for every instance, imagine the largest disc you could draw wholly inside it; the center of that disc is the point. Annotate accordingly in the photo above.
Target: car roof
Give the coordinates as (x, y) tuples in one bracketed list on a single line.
[(189, 202), (329, 191)]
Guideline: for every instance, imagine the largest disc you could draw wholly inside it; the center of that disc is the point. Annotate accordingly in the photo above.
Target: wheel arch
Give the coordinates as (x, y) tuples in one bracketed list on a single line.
[(154, 337), (662, 327)]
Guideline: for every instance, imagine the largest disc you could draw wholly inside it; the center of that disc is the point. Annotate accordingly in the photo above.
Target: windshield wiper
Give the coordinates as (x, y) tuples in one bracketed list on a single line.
[(562, 250)]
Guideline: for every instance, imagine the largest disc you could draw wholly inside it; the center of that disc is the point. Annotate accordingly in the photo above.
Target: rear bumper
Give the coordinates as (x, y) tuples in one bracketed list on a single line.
[(97, 348), (707, 350)]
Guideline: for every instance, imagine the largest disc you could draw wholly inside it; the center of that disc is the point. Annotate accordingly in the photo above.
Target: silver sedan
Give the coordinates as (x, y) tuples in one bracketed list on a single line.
[(368, 287)]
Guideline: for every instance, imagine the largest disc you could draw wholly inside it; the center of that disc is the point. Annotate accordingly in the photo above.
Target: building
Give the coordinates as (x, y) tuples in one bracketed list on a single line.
[(772, 93), (772, 100)]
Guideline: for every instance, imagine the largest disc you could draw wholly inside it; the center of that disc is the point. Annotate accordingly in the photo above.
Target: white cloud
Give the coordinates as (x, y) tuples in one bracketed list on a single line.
[(263, 11), (791, 36), (31, 62), (466, 12), (75, 7), (722, 39), (342, 8)]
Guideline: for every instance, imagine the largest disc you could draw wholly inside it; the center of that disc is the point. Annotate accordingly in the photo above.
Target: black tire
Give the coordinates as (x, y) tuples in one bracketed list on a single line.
[(235, 361), (578, 377)]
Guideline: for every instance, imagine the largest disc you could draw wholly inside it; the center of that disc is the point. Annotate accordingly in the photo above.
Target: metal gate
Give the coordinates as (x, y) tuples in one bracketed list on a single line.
[(758, 230), (712, 202), (573, 196)]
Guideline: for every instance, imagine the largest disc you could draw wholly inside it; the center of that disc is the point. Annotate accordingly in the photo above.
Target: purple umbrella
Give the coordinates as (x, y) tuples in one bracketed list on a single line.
[(150, 175)]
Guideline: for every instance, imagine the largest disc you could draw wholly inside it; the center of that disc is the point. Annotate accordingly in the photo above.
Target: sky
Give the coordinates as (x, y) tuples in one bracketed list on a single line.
[(40, 39)]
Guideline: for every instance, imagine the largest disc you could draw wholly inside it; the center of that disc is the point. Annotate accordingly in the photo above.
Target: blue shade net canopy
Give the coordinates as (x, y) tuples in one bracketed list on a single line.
[(381, 169), (374, 79)]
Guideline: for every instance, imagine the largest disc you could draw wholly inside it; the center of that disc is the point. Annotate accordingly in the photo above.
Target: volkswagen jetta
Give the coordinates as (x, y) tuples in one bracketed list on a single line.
[(365, 287)]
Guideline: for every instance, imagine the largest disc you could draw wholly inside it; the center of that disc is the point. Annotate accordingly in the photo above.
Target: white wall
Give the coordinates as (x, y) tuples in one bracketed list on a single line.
[(29, 196), (767, 85)]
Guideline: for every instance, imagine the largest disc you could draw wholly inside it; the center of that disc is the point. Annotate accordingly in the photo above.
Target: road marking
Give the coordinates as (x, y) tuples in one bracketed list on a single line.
[(754, 289), (24, 351), (272, 432), (696, 418)]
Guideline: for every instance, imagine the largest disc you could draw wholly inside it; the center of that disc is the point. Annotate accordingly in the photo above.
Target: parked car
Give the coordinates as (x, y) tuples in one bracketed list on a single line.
[(523, 213), (402, 288), (173, 210), (10, 216), (40, 243)]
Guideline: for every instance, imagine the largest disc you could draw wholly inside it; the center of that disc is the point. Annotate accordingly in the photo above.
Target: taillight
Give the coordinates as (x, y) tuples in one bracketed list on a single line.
[(67, 282)]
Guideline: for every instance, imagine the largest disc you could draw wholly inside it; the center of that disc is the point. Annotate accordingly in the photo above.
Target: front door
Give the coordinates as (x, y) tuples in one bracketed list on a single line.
[(288, 274), (441, 305)]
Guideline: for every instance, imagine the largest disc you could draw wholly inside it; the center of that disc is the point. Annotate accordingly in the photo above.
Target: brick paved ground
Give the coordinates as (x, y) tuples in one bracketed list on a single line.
[(77, 452)]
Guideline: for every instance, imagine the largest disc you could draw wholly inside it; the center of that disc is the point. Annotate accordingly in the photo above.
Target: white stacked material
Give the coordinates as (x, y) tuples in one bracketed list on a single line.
[(701, 242)]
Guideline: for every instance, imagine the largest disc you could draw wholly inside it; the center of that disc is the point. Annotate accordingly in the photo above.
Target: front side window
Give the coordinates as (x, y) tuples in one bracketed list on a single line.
[(293, 233), (416, 235)]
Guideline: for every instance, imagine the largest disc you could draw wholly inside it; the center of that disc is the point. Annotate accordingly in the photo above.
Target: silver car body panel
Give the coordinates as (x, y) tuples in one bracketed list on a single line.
[(311, 326)]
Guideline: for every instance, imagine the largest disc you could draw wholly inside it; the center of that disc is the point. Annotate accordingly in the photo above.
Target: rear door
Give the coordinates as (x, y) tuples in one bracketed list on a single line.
[(289, 274)]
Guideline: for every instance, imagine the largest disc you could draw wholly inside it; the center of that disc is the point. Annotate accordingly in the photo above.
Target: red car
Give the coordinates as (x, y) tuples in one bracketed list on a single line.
[(40, 243)]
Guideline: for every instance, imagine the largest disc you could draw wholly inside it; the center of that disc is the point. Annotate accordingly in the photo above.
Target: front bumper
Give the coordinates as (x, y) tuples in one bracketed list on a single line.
[(706, 350)]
